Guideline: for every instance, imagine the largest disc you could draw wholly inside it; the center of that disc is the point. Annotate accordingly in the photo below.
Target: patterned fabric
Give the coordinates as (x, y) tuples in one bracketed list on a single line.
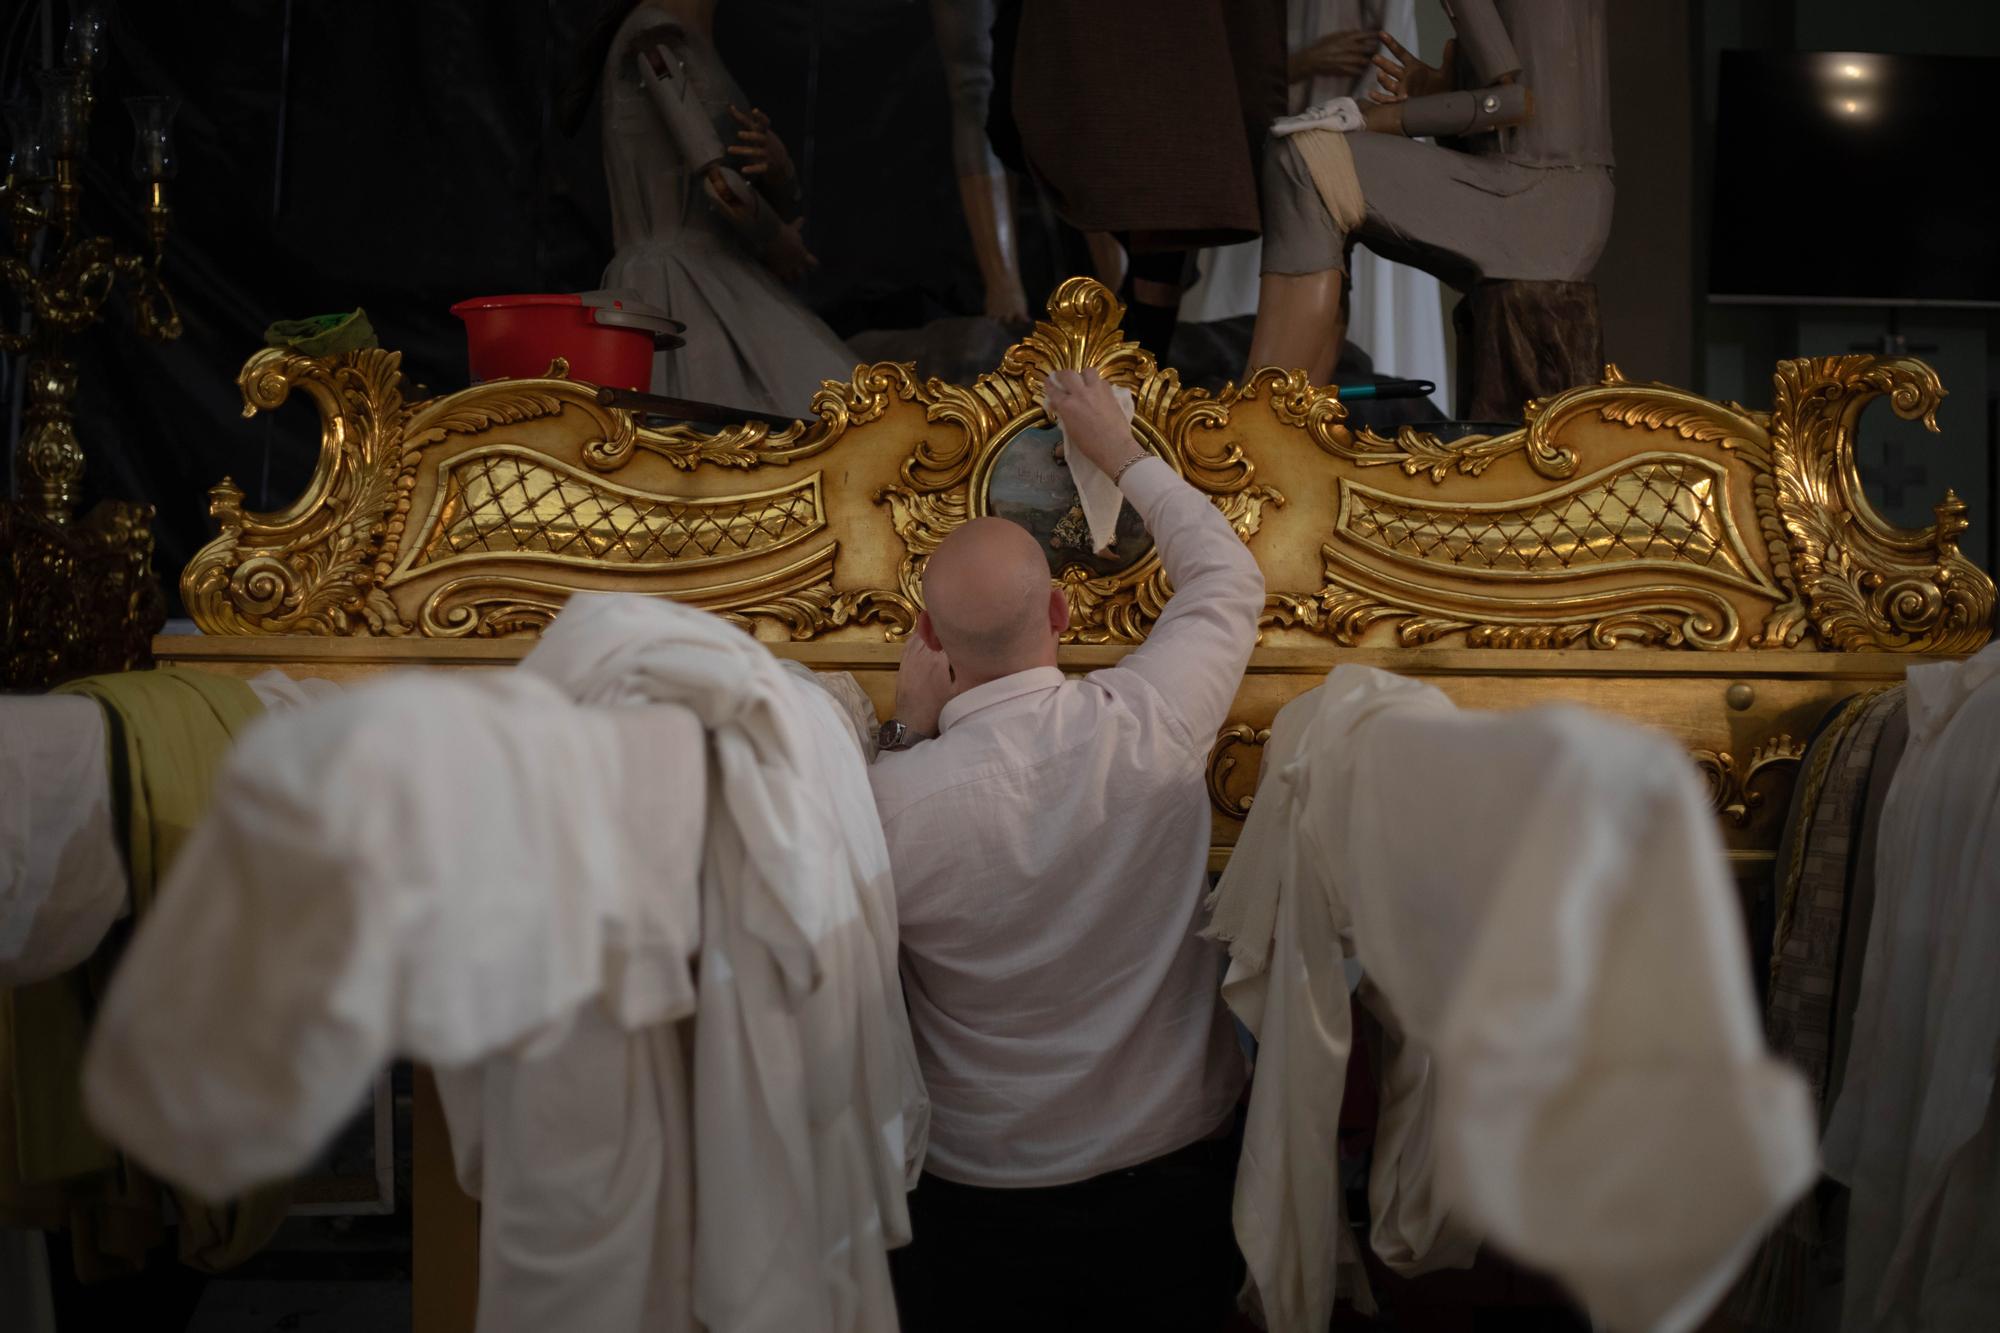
[(1813, 895)]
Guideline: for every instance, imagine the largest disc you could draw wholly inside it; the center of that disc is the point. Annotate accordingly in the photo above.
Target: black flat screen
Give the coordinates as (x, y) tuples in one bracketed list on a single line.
[(1849, 176)]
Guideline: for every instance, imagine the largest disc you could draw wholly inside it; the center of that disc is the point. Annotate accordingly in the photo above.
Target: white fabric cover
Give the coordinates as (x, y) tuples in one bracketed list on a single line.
[(431, 866), (1541, 904), (1915, 1133), (808, 1110), (62, 881), (506, 875), (580, 1152)]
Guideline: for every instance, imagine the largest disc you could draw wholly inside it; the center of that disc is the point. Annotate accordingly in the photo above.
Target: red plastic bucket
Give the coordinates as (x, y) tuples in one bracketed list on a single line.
[(606, 340)]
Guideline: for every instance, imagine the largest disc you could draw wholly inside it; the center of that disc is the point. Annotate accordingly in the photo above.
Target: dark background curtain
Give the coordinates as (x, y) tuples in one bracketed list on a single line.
[(401, 155)]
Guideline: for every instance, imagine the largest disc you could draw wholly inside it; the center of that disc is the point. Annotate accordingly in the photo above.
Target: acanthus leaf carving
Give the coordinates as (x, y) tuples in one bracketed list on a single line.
[(1864, 583), (1814, 565), (1732, 790)]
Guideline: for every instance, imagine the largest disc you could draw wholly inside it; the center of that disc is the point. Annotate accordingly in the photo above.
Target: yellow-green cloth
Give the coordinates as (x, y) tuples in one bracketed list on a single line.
[(323, 335), (168, 732)]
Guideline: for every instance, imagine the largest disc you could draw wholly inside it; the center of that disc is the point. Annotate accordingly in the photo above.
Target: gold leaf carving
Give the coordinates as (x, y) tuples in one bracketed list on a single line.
[(313, 570), (1222, 761), (943, 478), (1863, 582), (1732, 789), (1619, 514), (1735, 788)]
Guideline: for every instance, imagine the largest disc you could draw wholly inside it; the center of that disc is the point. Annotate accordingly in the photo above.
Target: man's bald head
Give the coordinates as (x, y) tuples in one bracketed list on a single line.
[(989, 601)]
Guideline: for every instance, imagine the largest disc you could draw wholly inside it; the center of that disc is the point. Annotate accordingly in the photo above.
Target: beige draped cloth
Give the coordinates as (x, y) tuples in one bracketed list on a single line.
[(1331, 164)]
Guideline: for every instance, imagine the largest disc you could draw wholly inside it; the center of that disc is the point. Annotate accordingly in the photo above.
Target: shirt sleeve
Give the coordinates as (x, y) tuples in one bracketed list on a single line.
[(1195, 655)]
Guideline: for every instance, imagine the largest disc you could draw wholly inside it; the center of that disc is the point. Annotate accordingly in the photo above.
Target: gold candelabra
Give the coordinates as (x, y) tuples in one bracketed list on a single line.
[(80, 595)]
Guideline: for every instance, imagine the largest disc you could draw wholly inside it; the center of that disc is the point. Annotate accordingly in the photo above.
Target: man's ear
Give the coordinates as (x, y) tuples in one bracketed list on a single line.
[(1058, 612), (927, 632)]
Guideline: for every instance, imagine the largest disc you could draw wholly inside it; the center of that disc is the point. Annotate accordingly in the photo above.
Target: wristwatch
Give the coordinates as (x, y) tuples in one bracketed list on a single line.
[(894, 735)]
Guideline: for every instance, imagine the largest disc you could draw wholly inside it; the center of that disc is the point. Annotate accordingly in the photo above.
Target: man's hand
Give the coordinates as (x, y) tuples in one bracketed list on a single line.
[(923, 686), (1092, 421), (1404, 76), (1338, 54)]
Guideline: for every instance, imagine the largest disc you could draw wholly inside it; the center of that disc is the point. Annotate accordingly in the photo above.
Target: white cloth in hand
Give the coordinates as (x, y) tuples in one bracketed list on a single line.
[(1340, 113), (1096, 491)]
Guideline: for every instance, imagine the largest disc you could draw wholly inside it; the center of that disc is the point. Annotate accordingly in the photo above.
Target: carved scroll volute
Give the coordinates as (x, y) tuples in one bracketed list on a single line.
[(1231, 796), (1733, 792), (310, 567), (1863, 582), (940, 483), (1081, 331)]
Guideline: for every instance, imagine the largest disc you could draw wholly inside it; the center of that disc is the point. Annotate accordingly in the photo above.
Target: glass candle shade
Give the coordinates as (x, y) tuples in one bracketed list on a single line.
[(65, 129), (83, 47), (25, 159), (153, 156)]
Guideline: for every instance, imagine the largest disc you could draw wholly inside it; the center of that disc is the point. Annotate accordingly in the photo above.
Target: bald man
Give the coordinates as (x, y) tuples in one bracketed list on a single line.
[(1049, 839)]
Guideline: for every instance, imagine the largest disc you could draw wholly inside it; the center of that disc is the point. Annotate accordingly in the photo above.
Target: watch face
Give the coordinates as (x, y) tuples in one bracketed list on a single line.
[(891, 735)]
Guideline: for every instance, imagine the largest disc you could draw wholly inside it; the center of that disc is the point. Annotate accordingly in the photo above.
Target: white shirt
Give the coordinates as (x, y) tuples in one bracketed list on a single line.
[(1542, 905), (1050, 849)]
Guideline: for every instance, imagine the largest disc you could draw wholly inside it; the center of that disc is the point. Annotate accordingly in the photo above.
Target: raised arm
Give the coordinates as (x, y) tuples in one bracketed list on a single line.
[(1195, 655)]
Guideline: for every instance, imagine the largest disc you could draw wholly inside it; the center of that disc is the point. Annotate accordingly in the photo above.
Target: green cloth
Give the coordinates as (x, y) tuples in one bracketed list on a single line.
[(323, 335), (168, 732)]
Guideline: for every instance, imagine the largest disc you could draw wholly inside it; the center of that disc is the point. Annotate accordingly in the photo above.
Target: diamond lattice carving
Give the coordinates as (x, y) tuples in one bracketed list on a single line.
[(1659, 510), (504, 503)]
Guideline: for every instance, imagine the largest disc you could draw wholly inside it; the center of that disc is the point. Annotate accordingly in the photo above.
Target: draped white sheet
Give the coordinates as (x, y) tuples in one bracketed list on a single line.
[(1915, 1133), (62, 881), (1541, 902), (508, 875), (809, 1114)]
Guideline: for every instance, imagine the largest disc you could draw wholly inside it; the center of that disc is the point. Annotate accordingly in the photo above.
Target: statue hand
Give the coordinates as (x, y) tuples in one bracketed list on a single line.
[(1337, 54), (761, 151), (734, 206), (788, 257), (1404, 76)]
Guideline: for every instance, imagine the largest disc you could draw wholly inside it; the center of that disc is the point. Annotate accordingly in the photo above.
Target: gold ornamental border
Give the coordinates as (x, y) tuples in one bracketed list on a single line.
[(1829, 571), (943, 484)]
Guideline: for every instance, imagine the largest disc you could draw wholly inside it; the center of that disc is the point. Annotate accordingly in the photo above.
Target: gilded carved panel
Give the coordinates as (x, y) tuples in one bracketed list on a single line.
[(1619, 514)]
